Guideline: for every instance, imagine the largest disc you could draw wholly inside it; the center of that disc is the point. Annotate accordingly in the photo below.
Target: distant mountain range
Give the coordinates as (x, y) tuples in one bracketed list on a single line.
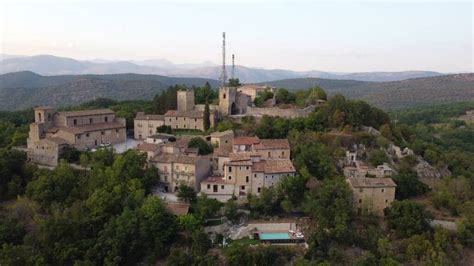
[(25, 89), (393, 94), (53, 65)]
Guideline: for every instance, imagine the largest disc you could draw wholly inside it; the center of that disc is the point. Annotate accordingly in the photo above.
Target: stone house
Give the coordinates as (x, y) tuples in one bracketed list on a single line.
[(146, 125), (181, 169), (372, 194), (245, 173), (86, 129), (222, 139)]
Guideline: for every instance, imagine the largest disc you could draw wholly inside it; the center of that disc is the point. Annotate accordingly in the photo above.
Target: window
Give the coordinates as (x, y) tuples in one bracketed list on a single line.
[(360, 190), (170, 119), (383, 190), (255, 175), (195, 120), (176, 118), (230, 177), (87, 135), (386, 201), (223, 96), (283, 153), (102, 133), (74, 122), (269, 155), (222, 186), (230, 168), (360, 200), (242, 187), (185, 119), (39, 117), (91, 120), (106, 119), (259, 189), (247, 179), (116, 131), (208, 186), (247, 168), (79, 136)]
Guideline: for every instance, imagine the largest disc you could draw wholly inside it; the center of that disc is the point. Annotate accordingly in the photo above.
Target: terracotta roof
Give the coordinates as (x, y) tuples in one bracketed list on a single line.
[(371, 182), (190, 113), (148, 146), (245, 140), (223, 133), (143, 116), (242, 156), (177, 208), (56, 140), (222, 152), (89, 127), (171, 158), (273, 144), (179, 143), (217, 180), (274, 166), (87, 112)]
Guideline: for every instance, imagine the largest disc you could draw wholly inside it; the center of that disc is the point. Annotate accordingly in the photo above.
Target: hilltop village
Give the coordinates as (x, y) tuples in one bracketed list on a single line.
[(238, 166), (215, 180), (242, 174)]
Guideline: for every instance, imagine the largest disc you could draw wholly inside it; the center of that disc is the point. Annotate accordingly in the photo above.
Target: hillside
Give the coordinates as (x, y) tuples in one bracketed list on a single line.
[(53, 65), (395, 94), (26, 89)]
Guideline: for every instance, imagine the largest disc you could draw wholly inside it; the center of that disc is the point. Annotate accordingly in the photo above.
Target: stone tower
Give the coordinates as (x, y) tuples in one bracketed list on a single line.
[(227, 104), (186, 100)]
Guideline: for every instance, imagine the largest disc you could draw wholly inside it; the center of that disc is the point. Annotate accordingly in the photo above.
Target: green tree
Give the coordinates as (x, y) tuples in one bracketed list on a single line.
[(231, 210), (377, 157), (407, 218), (408, 185), (206, 116), (314, 160), (331, 209), (186, 193), (201, 144)]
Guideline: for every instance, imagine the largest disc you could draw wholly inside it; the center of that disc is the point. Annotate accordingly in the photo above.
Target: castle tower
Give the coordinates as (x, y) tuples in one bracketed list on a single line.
[(227, 97), (186, 100)]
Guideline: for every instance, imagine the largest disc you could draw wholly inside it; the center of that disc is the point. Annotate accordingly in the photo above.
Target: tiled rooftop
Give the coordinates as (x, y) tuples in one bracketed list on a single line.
[(246, 140), (274, 166), (273, 144), (190, 113), (371, 182), (143, 116), (171, 158), (88, 128), (87, 112)]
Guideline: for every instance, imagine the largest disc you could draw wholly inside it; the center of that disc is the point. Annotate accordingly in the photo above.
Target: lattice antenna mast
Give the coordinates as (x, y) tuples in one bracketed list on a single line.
[(233, 66), (223, 77)]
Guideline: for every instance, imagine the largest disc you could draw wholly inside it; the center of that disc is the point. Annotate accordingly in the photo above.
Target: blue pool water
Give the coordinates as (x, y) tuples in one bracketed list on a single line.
[(273, 236)]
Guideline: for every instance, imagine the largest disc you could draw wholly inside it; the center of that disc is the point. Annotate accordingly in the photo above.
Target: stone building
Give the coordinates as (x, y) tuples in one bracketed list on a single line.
[(187, 116), (255, 90), (181, 169), (146, 125), (266, 148), (222, 139), (245, 173), (52, 131), (372, 194)]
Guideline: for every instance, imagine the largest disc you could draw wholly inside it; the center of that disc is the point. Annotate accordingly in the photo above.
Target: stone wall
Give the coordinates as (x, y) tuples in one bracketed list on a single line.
[(275, 111)]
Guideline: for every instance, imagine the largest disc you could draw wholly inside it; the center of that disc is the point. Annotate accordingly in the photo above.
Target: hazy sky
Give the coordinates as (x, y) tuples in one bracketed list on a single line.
[(340, 36)]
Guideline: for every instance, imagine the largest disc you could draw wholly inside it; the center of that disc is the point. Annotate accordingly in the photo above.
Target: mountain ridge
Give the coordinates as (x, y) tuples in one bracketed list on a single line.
[(54, 65), (26, 89)]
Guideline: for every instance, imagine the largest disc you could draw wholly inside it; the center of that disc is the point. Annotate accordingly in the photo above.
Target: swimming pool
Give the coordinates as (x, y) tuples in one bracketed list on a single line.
[(274, 236)]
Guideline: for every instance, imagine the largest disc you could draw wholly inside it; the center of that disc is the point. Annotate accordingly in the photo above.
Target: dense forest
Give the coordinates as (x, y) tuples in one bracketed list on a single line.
[(107, 214)]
